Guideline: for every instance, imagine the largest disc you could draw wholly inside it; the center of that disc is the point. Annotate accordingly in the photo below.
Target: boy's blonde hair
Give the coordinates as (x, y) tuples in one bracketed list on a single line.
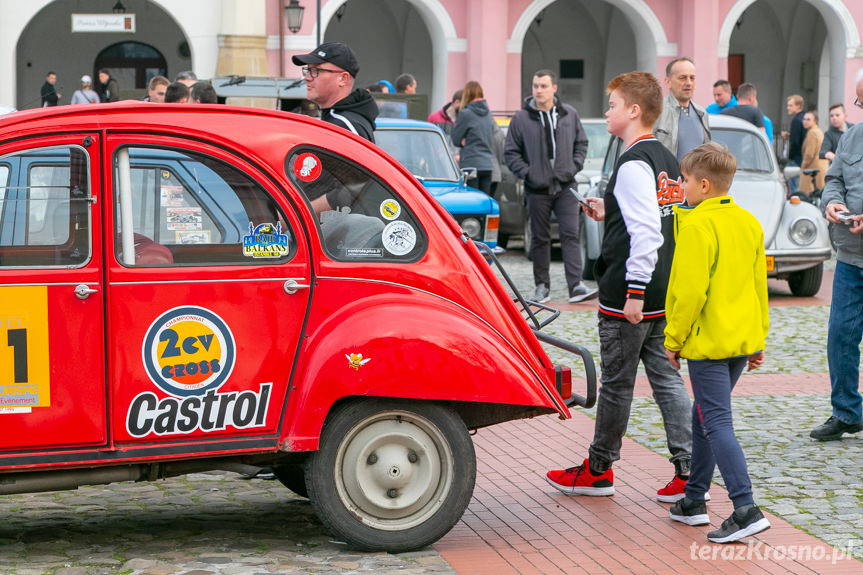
[(712, 162), (640, 88)]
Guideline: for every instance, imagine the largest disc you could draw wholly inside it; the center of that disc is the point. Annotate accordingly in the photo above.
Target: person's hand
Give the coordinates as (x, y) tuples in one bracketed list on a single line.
[(673, 358), (632, 310), (831, 210), (785, 134), (755, 360), (597, 209), (857, 224), (829, 156)]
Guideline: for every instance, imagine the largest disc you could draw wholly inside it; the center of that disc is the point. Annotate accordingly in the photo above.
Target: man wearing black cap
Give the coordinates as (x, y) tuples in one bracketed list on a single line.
[(329, 71)]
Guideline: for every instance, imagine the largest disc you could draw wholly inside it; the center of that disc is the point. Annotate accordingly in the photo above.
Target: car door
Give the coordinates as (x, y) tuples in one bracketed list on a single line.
[(209, 285), (52, 363)]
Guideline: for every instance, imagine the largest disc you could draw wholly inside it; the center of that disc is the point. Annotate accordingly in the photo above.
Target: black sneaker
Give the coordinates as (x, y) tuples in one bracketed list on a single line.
[(541, 294), (745, 521), (833, 428), (581, 292), (689, 511)]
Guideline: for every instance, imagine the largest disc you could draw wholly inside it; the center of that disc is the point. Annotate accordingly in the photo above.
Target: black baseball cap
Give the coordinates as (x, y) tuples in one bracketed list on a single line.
[(336, 53)]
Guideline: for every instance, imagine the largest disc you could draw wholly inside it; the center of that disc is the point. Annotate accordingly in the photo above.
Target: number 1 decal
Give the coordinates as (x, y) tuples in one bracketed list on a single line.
[(25, 366)]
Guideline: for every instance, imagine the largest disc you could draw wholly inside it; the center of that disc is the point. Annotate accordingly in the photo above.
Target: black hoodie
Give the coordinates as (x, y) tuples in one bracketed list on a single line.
[(356, 113)]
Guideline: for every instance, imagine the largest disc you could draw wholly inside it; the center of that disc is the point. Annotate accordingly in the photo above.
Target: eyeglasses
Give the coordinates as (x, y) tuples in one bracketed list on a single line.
[(858, 103), (315, 72)]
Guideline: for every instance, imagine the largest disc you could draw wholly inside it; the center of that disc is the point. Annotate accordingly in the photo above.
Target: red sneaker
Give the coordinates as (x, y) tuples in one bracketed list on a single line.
[(579, 481), (673, 491)]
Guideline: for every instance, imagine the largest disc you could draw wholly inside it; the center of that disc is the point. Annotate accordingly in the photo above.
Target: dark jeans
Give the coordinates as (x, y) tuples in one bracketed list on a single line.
[(622, 345), (539, 207), (713, 439), (844, 331), (482, 181)]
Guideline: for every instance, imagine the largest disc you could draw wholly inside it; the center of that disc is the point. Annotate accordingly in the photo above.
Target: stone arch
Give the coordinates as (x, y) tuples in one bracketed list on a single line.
[(441, 30), (650, 37)]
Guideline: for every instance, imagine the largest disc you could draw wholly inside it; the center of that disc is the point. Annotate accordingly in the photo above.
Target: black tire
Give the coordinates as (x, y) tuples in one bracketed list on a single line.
[(391, 475), (806, 283), (502, 240), (293, 476), (527, 242), (587, 272)]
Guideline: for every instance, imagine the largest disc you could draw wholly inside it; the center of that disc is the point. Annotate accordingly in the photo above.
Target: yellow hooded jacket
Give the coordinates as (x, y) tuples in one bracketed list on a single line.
[(716, 304)]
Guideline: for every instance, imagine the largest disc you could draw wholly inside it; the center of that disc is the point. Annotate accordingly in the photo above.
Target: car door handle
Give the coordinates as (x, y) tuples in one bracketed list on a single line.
[(83, 292), (291, 287)]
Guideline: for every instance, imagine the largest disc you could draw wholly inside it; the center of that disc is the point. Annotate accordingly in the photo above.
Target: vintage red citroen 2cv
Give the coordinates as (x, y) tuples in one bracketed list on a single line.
[(190, 288)]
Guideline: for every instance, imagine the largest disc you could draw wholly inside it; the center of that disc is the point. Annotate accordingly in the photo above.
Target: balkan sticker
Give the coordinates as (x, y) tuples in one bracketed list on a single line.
[(265, 241), (307, 167), (390, 210), (399, 238), (188, 351)]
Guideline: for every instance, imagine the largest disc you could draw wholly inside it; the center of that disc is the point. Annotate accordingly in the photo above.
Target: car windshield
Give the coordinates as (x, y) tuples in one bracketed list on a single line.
[(598, 138), (750, 149), (424, 152)]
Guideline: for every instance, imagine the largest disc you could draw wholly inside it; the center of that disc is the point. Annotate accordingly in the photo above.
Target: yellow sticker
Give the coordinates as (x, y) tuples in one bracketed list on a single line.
[(24, 358)]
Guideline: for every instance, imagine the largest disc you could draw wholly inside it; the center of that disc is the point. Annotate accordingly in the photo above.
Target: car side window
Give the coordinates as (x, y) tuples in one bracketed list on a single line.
[(187, 208), (361, 218), (45, 208)]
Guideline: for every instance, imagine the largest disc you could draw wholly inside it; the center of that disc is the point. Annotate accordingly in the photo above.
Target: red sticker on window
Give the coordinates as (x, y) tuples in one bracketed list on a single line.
[(307, 167)]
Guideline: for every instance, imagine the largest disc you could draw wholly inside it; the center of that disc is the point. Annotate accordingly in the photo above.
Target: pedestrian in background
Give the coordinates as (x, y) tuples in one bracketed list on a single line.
[(406, 84), (50, 95), (794, 136), (473, 132), (177, 93), (683, 124), (85, 95), (843, 192), (203, 93), (718, 320), (723, 97), (108, 88), (838, 125), (746, 108), (156, 89), (633, 269), (445, 117), (810, 154), (546, 146), (187, 77)]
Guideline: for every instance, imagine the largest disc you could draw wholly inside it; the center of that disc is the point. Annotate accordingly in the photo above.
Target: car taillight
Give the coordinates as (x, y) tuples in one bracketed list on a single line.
[(563, 381), (492, 223)]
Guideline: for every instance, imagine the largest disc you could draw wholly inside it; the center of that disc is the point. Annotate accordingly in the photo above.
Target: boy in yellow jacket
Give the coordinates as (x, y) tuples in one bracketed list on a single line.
[(716, 308)]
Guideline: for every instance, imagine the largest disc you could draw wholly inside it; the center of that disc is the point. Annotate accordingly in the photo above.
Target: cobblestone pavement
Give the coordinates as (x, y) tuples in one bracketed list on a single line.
[(216, 523)]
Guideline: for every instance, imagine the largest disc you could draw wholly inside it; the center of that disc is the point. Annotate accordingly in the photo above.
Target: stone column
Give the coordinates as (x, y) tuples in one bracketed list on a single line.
[(243, 38)]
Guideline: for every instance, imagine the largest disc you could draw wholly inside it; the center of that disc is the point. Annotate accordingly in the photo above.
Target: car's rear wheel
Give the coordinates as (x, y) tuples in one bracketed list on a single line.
[(293, 477), (391, 475), (806, 283)]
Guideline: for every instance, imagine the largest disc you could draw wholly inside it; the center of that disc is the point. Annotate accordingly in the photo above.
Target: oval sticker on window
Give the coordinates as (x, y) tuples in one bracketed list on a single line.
[(307, 167), (390, 210), (399, 238)]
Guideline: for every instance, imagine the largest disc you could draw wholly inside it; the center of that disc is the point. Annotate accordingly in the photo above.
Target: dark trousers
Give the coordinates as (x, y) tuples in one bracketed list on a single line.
[(539, 207), (713, 439), (482, 181)]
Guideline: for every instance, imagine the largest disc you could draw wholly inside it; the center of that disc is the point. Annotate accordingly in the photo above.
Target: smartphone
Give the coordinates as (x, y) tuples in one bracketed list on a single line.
[(581, 199), (845, 218)]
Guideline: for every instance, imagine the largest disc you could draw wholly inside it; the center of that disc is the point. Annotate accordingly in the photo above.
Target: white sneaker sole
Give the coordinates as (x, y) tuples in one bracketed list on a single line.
[(701, 519), (761, 525), (589, 491), (676, 498), (578, 298)]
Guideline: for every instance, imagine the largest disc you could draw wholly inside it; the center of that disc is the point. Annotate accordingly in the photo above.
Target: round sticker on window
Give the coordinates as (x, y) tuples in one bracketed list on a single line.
[(188, 350), (390, 210), (399, 238), (307, 167)]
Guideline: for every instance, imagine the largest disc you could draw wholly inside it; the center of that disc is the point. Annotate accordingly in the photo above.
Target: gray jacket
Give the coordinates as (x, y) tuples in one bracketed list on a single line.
[(665, 128), (844, 185), (475, 126)]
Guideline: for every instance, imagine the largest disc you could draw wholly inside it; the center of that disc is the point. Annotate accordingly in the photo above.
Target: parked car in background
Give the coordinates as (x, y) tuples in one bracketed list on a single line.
[(173, 302), (796, 235), (422, 148), (514, 220)]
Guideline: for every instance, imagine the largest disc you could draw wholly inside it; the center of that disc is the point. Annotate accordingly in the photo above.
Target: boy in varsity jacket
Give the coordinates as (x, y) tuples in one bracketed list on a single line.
[(632, 274)]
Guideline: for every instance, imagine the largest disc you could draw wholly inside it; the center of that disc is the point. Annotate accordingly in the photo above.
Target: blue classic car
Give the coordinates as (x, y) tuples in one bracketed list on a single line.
[(422, 148)]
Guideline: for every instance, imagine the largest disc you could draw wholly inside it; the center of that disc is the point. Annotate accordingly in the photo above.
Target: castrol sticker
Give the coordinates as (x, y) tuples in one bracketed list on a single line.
[(188, 351), (307, 167)]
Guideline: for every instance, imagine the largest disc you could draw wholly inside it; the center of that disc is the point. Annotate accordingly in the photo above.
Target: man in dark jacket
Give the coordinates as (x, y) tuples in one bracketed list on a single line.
[(329, 71), (109, 90), (546, 146), (838, 125), (50, 95)]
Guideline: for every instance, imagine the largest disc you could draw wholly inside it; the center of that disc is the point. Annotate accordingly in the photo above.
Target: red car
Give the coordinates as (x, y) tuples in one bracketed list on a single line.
[(188, 288)]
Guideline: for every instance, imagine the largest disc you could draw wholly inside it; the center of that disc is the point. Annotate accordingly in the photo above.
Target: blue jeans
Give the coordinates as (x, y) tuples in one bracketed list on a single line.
[(844, 332), (622, 345), (713, 439)]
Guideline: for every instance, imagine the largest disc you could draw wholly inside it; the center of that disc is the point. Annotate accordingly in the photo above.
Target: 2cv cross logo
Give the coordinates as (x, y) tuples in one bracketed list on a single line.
[(189, 352)]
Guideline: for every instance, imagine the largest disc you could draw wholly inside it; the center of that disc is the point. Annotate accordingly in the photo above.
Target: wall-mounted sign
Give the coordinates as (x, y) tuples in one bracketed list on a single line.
[(103, 23)]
